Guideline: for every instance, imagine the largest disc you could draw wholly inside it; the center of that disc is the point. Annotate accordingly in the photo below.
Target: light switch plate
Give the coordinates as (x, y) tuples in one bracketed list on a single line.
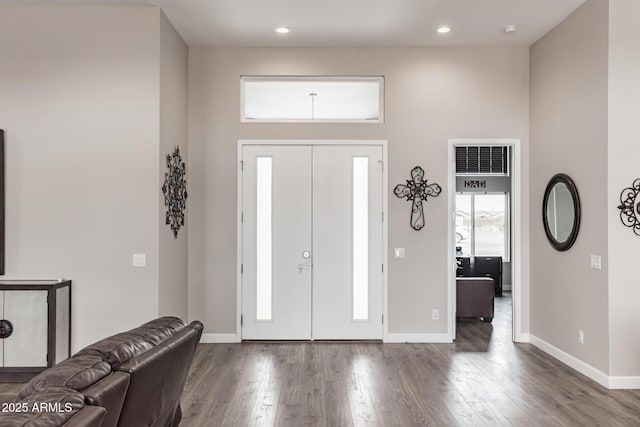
[(596, 262), (139, 260), (398, 252)]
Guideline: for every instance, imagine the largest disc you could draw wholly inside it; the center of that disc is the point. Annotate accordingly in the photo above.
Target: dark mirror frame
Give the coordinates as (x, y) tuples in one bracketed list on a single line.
[(1, 202), (573, 190)]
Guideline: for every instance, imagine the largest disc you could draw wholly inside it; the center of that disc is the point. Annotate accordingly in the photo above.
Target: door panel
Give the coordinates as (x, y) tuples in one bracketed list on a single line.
[(347, 243), (27, 311), (276, 281)]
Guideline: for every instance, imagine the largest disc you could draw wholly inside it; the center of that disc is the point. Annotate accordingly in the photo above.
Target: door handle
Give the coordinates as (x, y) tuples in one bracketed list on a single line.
[(304, 266)]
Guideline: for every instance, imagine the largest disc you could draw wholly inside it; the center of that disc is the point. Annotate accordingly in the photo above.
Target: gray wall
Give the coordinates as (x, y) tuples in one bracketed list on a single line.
[(431, 95), (623, 155), (174, 64), (569, 135), (79, 100)]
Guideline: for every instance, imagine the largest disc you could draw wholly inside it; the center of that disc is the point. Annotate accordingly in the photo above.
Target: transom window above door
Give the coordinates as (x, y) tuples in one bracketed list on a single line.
[(312, 99)]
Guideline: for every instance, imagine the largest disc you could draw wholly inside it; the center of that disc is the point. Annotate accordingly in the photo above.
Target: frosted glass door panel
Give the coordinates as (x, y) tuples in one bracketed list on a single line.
[(264, 226), (2, 317), (360, 240), (27, 346)]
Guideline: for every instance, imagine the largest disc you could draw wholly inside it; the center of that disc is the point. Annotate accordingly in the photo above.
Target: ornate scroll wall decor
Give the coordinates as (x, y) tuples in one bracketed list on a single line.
[(630, 207), (175, 191), (417, 190)]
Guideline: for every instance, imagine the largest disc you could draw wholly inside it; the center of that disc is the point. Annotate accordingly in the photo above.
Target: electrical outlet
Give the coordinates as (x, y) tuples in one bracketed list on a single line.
[(435, 314), (580, 336)]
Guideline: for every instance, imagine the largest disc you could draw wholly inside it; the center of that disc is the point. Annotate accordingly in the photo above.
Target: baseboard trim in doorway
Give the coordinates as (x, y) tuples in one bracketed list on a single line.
[(218, 338), (417, 338)]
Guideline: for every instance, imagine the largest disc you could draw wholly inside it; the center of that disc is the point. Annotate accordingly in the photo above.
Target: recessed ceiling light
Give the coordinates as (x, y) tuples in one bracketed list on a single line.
[(509, 29), (282, 30), (444, 30)]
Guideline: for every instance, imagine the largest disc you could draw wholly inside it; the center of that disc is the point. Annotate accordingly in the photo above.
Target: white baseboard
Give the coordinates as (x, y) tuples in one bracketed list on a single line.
[(218, 338), (572, 361), (417, 338), (624, 383), (522, 337)]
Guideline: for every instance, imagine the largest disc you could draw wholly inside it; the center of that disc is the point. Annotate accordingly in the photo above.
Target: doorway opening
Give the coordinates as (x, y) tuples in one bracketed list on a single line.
[(485, 233)]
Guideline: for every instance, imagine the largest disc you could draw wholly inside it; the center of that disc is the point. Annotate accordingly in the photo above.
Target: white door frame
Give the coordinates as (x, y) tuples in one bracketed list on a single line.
[(310, 142), (516, 231)]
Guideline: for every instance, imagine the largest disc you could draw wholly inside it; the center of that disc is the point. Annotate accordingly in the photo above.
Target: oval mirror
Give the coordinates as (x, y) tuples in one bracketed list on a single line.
[(561, 212)]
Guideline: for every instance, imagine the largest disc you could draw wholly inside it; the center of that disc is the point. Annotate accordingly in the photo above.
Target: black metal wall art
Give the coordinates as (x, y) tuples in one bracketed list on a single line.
[(417, 190), (175, 191), (630, 207)]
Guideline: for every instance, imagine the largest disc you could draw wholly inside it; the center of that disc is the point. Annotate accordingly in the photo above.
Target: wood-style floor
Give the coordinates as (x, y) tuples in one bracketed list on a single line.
[(482, 380)]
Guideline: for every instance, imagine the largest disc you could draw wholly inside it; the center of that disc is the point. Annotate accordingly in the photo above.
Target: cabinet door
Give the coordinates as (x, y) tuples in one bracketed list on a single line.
[(1, 317), (27, 311)]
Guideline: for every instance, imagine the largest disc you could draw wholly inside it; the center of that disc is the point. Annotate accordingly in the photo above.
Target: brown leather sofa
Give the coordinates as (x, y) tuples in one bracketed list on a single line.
[(474, 297), (131, 379)]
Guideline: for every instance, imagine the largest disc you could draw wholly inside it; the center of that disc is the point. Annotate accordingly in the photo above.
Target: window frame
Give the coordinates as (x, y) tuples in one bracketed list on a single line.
[(507, 221), (255, 78)]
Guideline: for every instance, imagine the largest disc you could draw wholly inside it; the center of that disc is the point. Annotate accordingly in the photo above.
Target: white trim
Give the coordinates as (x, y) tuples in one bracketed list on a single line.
[(239, 167), (451, 271), (303, 142), (417, 338), (624, 383), (385, 209), (219, 338), (385, 239), (517, 239), (571, 361)]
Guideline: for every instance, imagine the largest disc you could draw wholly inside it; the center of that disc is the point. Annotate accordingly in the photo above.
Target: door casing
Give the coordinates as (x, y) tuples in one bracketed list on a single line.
[(517, 240), (309, 142)]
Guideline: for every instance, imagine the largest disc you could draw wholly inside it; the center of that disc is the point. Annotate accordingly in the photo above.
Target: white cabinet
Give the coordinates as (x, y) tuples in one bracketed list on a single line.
[(35, 327)]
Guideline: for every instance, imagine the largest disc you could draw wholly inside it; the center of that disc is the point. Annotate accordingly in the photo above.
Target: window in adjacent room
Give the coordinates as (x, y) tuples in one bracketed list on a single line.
[(312, 99), (482, 223)]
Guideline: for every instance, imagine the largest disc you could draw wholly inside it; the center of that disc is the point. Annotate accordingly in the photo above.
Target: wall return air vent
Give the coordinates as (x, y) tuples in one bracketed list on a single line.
[(482, 160)]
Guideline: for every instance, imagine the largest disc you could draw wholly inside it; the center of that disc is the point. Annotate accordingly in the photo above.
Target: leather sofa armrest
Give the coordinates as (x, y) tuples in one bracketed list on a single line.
[(8, 397), (89, 416), (108, 393)]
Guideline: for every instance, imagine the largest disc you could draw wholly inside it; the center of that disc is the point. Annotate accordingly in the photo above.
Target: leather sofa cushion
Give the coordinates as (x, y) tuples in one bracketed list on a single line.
[(53, 408), (118, 349), (159, 330), (174, 323), (122, 347), (75, 374)]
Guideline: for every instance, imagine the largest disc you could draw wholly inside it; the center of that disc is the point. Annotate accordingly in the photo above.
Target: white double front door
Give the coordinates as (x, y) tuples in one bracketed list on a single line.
[(312, 230)]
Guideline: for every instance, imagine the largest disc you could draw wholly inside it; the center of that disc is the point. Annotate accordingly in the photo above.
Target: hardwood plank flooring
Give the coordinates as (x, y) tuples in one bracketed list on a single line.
[(483, 379)]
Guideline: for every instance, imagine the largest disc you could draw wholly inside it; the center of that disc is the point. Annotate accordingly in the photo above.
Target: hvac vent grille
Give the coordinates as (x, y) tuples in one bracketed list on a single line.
[(492, 160)]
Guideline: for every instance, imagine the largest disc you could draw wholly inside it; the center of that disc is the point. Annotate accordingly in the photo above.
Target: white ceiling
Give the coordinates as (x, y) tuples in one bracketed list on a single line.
[(355, 23)]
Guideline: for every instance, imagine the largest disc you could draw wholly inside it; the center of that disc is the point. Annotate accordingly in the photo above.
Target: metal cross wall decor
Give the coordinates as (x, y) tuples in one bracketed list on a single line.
[(417, 190), (175, 191), (630, 207)]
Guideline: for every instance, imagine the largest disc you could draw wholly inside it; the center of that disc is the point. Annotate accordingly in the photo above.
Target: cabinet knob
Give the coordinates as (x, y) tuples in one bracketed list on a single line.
[(6, 328)]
